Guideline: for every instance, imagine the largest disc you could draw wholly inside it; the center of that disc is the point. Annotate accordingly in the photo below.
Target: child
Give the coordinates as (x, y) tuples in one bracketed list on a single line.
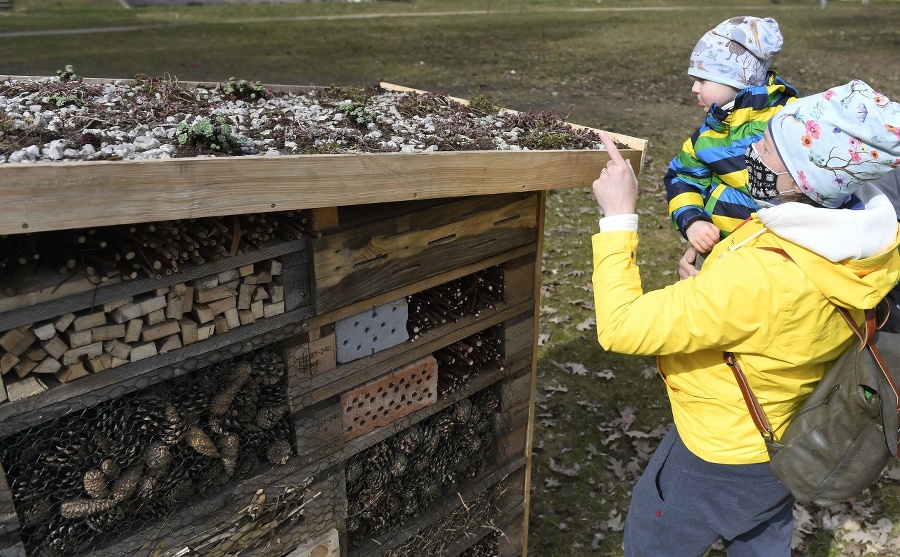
[(706, 182)]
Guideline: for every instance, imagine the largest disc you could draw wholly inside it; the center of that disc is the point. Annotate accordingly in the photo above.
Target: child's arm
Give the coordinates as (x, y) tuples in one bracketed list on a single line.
[(687, 182)]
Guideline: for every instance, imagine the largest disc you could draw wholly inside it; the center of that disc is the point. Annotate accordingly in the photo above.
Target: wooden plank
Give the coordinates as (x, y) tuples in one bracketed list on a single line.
[(320, 431), (513, 540), (304, 359), (324, 218), (177, 534), (518, 277), (514, 410), (529, 434), (9, 521), (515, 394), (518, 334), (295, 279), (356, 264), (157, 190)]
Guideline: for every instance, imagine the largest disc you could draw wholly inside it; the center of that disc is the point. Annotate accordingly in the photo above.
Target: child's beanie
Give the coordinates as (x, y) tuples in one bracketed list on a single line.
[(737, 52)]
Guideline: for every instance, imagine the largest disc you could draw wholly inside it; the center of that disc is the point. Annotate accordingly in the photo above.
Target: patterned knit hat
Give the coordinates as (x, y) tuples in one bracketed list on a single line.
[(737, 52), (832, 142)]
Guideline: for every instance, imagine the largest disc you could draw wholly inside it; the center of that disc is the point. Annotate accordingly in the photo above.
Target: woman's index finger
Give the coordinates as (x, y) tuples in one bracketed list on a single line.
[(611, 148)]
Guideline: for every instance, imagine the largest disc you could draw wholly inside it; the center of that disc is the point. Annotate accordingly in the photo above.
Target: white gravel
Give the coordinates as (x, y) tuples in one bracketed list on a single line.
[(58, 120)]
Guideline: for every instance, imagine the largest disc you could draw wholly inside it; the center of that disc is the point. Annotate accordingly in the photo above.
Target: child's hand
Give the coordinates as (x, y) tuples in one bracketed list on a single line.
[(703, 235)]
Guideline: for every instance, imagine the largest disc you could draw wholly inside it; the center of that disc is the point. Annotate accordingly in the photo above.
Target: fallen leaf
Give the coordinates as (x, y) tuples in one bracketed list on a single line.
[(605, 374), (588, 323), (576, 369), (616, 524), (617, 467), (568, 472)]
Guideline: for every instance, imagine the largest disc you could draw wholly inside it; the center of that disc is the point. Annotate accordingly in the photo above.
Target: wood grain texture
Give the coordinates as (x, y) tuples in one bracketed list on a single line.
[(357, 263), (120, 192)]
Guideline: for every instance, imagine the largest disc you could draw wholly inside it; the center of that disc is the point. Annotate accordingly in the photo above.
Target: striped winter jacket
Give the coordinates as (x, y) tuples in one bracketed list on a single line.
[(708, 179)]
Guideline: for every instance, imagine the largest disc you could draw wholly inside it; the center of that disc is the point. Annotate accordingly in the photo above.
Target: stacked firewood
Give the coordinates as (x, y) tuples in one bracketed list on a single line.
[(137, 327), (460, 362), (126, 252), (447, 303)]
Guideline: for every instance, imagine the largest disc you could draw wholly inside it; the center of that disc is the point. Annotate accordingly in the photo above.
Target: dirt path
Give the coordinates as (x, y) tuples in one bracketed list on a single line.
[(127, 28)]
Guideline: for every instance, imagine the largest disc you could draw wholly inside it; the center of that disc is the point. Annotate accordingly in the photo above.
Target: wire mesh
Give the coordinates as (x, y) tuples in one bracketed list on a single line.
[(463, 524), (198, 453), (126, 252), (396, 479), (84, 479)]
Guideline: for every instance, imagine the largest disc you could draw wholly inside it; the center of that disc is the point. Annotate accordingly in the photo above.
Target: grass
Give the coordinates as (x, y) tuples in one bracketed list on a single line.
[(604, 64)]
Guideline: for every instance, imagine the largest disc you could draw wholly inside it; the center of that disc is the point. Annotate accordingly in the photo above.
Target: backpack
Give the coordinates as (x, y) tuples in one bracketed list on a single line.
[(839, 442)]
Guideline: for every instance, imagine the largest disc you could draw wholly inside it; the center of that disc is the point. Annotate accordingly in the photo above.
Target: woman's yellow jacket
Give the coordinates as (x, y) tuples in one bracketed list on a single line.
[(776, 315)]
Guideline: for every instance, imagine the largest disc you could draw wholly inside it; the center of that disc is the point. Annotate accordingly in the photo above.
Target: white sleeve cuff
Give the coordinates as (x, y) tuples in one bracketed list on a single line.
[(617, 223)]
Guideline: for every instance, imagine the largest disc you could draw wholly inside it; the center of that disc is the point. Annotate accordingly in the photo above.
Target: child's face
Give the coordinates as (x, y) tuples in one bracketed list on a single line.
[(709, 92)]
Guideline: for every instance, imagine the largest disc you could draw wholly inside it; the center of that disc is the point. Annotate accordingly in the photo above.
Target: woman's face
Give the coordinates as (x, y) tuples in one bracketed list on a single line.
[(769, 156)]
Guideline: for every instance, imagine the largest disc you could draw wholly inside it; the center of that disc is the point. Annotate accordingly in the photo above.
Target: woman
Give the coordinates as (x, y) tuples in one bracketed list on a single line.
[(709, 478)]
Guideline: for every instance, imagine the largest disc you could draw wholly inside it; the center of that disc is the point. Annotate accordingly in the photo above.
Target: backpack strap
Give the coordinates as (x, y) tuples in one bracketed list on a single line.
[(866, 336), (760, 420)]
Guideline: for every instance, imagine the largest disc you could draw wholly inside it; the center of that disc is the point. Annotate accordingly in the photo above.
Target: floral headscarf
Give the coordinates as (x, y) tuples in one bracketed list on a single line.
[(832, 142)]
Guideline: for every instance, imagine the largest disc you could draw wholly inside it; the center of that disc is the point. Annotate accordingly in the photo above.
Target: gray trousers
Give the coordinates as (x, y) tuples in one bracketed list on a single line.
[(682, 505)]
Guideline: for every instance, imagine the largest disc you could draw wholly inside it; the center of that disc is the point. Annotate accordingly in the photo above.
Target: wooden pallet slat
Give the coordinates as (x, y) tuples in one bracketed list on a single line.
[(355, 264), (156, 190)]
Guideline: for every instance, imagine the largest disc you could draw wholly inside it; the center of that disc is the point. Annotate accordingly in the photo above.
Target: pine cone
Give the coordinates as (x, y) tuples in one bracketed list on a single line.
[(157, 458), (83, 508), (200, 442), (278, 452), (110, 468), (124, 486), (172, 426), (229, 446), (95, 484), (269, 415)]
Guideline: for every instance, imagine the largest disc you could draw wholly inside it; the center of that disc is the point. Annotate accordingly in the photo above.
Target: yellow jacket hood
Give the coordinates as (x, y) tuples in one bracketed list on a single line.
[(859, 241)]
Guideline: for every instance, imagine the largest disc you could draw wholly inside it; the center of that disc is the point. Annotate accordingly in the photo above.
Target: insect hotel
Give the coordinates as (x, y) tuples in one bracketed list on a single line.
[(313, 354)]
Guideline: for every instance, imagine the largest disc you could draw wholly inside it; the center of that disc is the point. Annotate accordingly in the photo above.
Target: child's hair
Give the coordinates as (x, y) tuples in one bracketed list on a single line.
[(737, 52)]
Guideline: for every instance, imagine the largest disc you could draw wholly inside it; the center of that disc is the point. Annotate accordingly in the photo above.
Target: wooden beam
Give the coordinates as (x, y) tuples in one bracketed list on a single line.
[(104, 193)]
